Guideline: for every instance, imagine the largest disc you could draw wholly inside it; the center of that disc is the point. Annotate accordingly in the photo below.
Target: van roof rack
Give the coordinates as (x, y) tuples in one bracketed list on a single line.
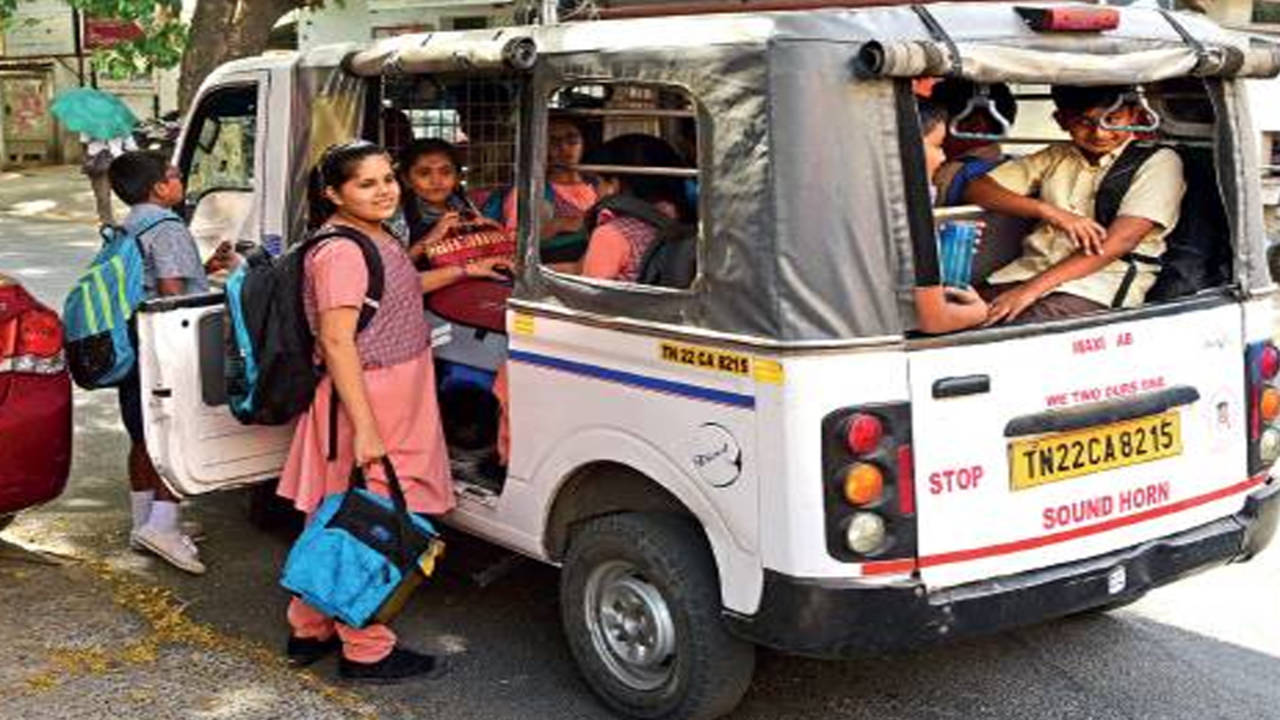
[(622, 9)]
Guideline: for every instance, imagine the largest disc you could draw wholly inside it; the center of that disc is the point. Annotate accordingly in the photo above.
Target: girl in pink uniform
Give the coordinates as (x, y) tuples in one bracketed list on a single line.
[(385, 383), (618, 242)]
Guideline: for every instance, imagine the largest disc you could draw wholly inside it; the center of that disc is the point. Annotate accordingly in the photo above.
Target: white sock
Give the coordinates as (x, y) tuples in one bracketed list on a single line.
[(164, 516), (140, 503)]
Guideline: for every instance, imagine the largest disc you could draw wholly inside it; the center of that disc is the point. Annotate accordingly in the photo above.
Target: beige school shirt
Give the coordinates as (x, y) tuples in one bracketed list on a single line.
[(1061, 176)]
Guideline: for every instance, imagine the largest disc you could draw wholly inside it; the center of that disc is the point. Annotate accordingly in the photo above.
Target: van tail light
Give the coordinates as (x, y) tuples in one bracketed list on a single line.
[(31, 342), (868, 495), (1069, 19), (1262, 364)]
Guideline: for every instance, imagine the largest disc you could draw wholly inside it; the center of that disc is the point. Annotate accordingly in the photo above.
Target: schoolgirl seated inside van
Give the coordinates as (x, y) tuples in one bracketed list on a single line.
[(620, 237), (434, 206), (568, 194)]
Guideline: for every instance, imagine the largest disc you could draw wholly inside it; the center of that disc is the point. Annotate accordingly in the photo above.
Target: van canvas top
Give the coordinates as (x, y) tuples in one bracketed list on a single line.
[(783, 271)]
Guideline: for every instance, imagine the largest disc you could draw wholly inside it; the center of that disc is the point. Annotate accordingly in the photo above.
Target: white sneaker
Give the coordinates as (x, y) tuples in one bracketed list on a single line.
[(191, 528), (174, 547)]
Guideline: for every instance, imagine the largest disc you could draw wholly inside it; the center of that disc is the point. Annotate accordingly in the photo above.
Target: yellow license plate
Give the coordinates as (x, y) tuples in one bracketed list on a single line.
[(1054, 458)]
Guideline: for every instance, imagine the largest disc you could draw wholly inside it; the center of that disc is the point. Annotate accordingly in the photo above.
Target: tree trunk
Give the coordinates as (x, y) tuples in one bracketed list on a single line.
[(223, 30)]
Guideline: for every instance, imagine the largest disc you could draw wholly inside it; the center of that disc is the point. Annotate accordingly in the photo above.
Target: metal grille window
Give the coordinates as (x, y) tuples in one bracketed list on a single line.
[(477, 114)]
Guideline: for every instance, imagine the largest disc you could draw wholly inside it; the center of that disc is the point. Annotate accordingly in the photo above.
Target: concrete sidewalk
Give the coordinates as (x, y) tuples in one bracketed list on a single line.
[(58, 192), (84, 639)]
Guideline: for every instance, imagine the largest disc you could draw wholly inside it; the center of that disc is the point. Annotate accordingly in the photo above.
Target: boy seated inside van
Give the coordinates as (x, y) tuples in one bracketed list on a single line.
[(969, 158), (942, 309), (1070, 264)]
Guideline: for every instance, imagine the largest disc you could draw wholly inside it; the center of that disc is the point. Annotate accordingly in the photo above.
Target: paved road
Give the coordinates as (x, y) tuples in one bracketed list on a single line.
[(117, 634)]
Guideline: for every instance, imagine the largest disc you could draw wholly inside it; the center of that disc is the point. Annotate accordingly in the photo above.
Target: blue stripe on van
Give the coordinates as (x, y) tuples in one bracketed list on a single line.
[(639, 381)]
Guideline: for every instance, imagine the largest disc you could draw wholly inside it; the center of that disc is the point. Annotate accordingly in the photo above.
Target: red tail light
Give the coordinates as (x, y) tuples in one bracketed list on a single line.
[(864, 434), (39, 334), (1262, 362), (867, 486), (906, 481), (31, 342)]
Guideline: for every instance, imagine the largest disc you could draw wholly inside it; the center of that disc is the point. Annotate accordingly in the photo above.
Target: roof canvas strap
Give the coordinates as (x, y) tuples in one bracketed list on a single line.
[(936, 30), (1205, 63)]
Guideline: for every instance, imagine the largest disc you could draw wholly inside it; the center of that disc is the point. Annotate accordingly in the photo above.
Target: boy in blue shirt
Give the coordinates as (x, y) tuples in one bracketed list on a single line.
[(152, 187)]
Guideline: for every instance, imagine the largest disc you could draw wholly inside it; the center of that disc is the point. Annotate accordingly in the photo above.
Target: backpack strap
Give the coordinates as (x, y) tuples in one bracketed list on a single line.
[(971, 168), (630, 206), (1106, 207), (1115, 184), (372, 300), (372, 261)]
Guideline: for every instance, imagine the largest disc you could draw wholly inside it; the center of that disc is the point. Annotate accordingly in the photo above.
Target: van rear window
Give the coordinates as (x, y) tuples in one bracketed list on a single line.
[(1053, 202)]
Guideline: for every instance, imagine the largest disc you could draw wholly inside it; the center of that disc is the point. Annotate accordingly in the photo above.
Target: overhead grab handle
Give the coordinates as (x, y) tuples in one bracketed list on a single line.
[(1135, 98), (980, 103)]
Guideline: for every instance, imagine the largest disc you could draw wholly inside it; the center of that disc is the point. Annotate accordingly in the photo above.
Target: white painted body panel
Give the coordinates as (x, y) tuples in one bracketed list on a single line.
[(1000, 528), (562, 420)]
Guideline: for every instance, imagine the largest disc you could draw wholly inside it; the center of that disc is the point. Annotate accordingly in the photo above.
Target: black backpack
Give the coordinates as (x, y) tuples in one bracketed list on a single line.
[(271, 373), (1197, 251), (672, 260)]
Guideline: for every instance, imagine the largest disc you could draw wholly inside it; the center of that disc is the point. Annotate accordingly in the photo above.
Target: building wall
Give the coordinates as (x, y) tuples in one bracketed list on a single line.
[(363, 20)]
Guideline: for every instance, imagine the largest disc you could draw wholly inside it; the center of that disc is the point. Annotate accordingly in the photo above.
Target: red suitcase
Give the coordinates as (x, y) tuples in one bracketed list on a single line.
[(35, 403)]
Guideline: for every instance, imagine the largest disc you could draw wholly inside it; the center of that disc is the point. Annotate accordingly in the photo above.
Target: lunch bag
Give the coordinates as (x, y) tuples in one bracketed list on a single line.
[(361, 555), (474, 302), (270, 371), (98, 310)]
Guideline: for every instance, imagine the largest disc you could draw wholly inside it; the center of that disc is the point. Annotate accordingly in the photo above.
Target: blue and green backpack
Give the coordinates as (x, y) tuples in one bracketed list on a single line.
[(98, 310)]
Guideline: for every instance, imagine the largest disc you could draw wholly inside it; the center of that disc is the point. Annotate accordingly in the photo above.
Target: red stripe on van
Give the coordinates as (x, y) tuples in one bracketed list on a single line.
[(889, 567), (895, 566)]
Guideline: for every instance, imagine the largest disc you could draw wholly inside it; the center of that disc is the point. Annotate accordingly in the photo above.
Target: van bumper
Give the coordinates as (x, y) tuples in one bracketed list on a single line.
[(849, 618)]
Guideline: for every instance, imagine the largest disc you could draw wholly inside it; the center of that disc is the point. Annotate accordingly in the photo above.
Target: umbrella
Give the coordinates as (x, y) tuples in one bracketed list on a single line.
[(99, 115)]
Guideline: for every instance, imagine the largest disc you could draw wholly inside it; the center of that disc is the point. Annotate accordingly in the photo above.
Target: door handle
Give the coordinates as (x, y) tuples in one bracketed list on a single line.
[(962, 385)]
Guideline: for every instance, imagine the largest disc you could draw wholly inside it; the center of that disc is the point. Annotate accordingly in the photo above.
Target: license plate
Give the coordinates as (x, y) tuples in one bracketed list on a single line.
[(1063, 456)]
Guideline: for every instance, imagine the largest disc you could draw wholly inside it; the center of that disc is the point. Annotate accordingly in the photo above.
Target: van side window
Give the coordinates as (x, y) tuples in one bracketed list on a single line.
[(218, 166), (224, 130), (622, 185)]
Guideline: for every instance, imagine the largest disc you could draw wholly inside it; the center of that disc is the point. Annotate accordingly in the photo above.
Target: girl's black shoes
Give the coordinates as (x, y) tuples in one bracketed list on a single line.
[(399, 666)]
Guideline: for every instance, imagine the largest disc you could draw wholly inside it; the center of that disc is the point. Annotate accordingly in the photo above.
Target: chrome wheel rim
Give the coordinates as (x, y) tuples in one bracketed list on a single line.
[(630, 625)]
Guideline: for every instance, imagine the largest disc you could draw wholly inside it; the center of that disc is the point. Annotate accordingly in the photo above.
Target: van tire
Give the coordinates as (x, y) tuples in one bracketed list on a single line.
[(656, 561)]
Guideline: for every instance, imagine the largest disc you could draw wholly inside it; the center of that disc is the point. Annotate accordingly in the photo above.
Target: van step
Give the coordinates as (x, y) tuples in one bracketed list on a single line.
[(477, 561)]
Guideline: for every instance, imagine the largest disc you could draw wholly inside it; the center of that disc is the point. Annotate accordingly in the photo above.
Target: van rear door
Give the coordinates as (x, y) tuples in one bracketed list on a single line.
[(1054, 446)]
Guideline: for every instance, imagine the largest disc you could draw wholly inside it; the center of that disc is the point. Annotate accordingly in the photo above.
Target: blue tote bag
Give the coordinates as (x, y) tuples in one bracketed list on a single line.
[(362, 555)]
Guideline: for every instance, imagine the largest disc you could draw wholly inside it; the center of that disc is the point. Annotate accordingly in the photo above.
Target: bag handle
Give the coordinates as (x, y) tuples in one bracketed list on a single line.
[(403, 521)]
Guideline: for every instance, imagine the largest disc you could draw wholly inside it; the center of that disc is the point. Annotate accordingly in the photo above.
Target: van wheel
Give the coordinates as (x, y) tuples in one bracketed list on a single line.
[(640, 602)]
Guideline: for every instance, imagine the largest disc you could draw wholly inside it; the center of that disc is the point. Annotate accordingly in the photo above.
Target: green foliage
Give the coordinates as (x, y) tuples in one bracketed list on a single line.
[(164, 35), (1266, 12), (160, 46)]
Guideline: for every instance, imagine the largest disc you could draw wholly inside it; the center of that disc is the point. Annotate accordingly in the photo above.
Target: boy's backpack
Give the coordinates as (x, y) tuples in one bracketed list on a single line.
[(672, 259), (271, 371), (1197, 251), (99, 309)]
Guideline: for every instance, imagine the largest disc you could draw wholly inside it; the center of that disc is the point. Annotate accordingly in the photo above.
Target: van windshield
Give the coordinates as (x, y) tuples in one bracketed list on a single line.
[(1059, 201)]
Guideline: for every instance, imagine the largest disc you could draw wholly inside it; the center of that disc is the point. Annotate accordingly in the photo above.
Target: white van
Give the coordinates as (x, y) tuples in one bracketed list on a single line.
[(774, 455)]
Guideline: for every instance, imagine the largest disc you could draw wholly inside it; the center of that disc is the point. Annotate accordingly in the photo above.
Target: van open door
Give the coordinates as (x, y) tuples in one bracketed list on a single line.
[(194, 441), (197, 445), (1053, 447)]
